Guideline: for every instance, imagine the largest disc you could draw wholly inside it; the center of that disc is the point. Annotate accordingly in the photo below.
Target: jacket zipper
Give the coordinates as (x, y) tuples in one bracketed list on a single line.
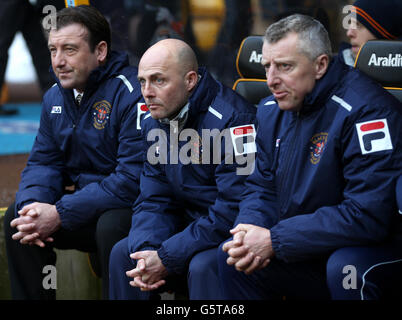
[(284, 190)]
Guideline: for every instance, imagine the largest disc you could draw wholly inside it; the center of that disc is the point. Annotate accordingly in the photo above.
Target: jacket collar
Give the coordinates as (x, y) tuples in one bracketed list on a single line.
[(203, 95), (332, 78)]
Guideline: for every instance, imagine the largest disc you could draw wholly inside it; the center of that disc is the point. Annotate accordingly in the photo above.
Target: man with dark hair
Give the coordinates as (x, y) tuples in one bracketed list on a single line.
[(88, 139), (328, 156)]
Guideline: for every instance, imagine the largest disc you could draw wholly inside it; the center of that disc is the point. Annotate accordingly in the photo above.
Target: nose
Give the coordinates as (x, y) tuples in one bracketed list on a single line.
[(350, 33), (272, 76), (147, 90), (58, 60)]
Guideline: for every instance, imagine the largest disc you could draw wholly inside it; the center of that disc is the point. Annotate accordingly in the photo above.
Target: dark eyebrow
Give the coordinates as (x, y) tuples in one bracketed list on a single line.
[(68, 44)]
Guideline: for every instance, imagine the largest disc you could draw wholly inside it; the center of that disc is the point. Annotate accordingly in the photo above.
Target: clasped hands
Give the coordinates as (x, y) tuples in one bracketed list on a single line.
[(149, 273), (250, 249), (36, 223)]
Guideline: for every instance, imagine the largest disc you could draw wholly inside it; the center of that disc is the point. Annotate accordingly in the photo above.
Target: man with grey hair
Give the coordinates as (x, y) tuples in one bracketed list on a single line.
[(325, 173)]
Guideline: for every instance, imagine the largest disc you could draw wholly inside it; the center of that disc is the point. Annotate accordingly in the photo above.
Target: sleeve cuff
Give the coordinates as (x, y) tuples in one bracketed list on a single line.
[(167, 262), (276, 245), (65, 223)]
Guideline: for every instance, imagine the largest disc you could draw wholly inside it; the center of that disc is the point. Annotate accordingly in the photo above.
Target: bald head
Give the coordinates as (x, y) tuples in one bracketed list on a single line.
[(172, 51), (168, 74)]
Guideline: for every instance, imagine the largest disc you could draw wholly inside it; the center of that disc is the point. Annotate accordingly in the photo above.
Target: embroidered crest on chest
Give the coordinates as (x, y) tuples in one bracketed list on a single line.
[(101, 114)]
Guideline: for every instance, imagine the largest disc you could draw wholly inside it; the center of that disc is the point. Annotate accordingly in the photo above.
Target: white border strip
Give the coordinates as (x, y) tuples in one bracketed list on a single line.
[(342, 102), (126, 82), (215, 113)]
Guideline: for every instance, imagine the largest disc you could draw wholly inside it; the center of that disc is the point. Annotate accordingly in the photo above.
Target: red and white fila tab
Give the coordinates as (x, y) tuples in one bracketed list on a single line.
[(374, 136)]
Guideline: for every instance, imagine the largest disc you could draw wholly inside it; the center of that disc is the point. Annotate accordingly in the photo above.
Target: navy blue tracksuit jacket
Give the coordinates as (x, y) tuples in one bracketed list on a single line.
[(325, 176), (97, 147), (187, 208)]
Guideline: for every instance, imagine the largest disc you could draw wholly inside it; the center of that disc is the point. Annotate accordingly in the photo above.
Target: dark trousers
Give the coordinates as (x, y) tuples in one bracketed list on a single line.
[(26, 263), (202, 277), (278, 280), (20, 15), (366, 273)]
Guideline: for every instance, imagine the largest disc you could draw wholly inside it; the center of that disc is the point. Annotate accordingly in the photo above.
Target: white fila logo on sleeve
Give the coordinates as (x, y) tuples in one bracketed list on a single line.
[(374, 136), (243, 139), (141, 109), (56, 109)]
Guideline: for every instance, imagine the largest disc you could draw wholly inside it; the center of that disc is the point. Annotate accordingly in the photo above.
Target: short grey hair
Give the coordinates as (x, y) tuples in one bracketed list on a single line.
[(313, 37)]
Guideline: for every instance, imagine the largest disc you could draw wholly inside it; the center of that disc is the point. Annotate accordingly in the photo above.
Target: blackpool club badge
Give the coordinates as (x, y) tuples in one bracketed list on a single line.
[(101, 114), (317, 145)]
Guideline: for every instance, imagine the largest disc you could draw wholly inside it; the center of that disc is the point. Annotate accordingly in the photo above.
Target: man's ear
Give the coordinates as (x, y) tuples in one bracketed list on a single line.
[(101, 51), (191, 79), (321, 66)]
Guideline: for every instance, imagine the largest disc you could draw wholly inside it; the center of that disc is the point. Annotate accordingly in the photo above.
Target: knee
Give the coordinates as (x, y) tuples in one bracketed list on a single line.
[(202, 264), (339, 263), (112, 226), (343, 276), (335, 265), (104, 225), (119, 256)]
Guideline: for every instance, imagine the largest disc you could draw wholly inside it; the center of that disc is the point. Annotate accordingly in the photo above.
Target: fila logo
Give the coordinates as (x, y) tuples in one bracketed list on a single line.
[(374, 136), (56, 109), (141, 109), (243, 139)]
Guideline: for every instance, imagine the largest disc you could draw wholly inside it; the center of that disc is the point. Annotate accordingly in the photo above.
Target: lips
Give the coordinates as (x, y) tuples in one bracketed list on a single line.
[(153, 105), (64, 73), (355, 48), (280, 94)]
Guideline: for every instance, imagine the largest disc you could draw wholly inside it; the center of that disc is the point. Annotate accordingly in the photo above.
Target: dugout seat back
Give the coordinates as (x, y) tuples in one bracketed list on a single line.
[(252, 83), (382, 61)]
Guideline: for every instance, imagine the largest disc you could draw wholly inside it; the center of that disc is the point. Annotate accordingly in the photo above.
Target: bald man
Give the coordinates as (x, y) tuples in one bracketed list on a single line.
[(190, 184)]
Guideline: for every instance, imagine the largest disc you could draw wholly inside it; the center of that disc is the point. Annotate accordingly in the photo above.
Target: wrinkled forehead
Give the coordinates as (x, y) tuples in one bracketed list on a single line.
[(72, 31), (285, 48)]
